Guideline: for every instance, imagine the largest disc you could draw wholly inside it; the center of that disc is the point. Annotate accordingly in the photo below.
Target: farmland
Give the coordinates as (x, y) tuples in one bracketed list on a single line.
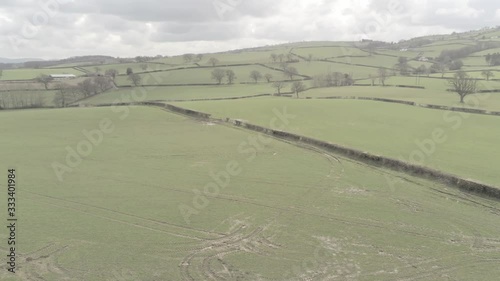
[(331, 223), (115, 189)]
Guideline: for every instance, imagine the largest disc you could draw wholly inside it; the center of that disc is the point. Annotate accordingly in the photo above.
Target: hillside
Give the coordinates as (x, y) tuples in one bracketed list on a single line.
[(299, 161)]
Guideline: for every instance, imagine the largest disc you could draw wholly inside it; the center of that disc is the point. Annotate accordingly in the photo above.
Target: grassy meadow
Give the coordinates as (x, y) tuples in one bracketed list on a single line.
[(393, 130), (141, 193), (116, 215)]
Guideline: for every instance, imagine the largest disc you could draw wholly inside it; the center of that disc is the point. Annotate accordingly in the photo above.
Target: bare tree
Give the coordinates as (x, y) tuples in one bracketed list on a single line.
[(373, 78), (44, 79), (274, 57), (199, 57), (255, 75), (291, 72), (144, 66), (289, 57), (188, 58), (442, 68), (463, 85), (231, 76), (269, 77), (65, 95), (112, 73), (102, 83), (382, 75), (278, 85), (281, 57), (87, 87), (298, 87), (97, 69), (213, 61), (135, 79), (218, 74), (488, 74)]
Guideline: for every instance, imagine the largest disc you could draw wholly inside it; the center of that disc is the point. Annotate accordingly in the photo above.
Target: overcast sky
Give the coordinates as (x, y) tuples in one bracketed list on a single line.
[(128, 28)]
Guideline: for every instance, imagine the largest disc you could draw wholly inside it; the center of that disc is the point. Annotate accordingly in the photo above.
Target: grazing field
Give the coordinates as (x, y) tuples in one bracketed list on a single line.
[(392, 130), (323, 67), (180, 93), (26, 73), (329, 52), (486, 101), (289, 213), (373, 61), (200, 76), (136, 67), (237, 57)]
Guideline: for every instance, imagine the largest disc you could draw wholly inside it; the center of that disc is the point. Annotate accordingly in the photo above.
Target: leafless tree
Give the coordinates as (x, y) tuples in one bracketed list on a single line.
[(65, 95), (218, 75), (44, 79), (269, 77), (188, 58), (373, 78), (463, 85), (382, 75), (279, 85), (488, 74), (256, 75), (135, 79), (112, 73), (87, 87), (102, 83), (231, 76), (291, 72), (213, 61), (274, 57), (298, 87)]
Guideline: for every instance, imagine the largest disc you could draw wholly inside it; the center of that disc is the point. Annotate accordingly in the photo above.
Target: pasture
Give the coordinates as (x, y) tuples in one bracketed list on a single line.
[(179, 93), (393, 130), (201, 76), (116, 214), (140, 193), (27, 73)]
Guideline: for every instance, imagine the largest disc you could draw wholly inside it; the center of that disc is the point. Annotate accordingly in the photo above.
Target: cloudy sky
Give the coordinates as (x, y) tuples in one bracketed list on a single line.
[(125, 28)]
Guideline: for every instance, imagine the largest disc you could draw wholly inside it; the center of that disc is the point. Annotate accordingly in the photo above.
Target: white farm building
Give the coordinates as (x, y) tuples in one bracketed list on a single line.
[(62, 76)]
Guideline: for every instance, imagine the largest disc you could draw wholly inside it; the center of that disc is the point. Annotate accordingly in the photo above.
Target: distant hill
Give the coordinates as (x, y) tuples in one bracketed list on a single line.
[(21, 60)]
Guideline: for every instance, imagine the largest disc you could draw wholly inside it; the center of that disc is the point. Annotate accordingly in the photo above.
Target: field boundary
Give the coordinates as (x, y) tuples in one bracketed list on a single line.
[(412, 103), (467, 185)]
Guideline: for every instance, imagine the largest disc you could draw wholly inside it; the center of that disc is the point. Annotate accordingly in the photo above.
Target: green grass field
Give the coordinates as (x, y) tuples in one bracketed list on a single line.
[(384, 129), (26, 73), (329, 52), (122, 68), (180, 93), (116, 214), (200, 76), (150, 200), (488, 102)]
